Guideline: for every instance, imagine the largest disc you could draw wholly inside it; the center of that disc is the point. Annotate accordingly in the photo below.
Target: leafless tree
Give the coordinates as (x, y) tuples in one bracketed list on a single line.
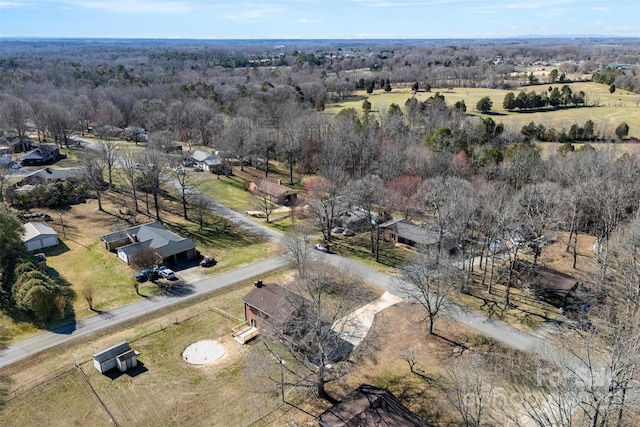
[(473, 382), (262, 202), (109, 153), (88, 293), (325, 202), (237, 138), (93, 174), (368, 194), (5, 175), (430, 282), (15, 114), (154, 175), (129, 164), (321, 335), (300, 252), (200, 208)]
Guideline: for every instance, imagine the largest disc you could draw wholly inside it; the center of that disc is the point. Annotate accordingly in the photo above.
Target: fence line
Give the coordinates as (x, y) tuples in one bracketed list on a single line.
[(95, 393)]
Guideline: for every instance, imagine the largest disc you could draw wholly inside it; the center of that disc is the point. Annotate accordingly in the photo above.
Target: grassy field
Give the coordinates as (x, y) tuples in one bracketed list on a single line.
[(606, 110), (166, 391)]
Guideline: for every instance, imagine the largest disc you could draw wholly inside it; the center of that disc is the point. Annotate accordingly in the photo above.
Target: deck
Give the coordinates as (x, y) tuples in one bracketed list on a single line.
[(244, 332)]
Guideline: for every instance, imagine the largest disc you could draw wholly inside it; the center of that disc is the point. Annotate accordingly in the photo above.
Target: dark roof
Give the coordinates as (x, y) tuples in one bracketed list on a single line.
[(152, 235), (42, 152), (370, 406), (552, 283), (409, 231), (272, 188), (112, 352), (271, 299)]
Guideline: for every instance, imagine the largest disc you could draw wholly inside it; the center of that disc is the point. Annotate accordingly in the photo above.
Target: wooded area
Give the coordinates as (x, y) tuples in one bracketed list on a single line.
[(489, 197)]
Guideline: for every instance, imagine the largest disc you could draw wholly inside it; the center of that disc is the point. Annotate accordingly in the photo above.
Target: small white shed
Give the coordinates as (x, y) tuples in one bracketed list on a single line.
[(120, 355), (38, 235)]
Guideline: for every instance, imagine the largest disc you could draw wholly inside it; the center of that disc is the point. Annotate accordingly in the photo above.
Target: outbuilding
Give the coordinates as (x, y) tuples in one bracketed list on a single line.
[(38, 235), (120, 355)]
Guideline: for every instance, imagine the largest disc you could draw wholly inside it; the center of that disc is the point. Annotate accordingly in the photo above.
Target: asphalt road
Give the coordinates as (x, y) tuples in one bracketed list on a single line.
[(43, 341), (180, 293)]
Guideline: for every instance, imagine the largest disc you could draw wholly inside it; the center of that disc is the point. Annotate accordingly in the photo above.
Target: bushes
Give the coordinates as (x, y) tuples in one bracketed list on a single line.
[(49, 195), (34, 292)]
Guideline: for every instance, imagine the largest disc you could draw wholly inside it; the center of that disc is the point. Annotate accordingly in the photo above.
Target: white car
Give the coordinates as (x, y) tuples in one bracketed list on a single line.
[(167, 273)]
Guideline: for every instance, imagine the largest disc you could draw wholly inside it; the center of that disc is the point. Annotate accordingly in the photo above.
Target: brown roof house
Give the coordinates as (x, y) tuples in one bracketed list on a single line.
[(272, 190), (552, 285), (370, 406), (403, 231), (168, 246), (266, 302)]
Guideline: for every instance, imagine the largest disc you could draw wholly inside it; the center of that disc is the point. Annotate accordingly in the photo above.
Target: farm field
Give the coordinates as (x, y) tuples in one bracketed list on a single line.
[(606, 110)]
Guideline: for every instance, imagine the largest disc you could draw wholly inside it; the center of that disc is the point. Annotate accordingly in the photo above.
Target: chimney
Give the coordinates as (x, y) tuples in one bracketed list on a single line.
[(258, 283)]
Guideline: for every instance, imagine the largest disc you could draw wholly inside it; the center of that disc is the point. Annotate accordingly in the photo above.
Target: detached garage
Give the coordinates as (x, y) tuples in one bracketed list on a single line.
[(38, 235)]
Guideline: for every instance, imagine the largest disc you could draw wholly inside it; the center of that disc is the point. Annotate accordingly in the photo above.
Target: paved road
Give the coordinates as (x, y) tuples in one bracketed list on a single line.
[(46, 340)]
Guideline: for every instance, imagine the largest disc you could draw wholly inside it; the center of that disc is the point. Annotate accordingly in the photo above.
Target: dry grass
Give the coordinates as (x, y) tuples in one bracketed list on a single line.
[(48, 388)]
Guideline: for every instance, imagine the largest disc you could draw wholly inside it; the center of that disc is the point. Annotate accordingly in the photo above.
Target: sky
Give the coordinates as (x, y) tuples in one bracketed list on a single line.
[(318, 19)]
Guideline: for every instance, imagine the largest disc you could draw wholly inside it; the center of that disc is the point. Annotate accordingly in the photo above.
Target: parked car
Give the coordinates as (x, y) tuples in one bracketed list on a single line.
[(141, 277), (198, 169), (348, 232), (323, 247), (337, 230), (167, 273), (137, 166), (208, 262)]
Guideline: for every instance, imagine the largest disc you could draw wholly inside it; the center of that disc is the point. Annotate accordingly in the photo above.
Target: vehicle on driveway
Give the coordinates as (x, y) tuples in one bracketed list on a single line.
[(337, 230), (208, 262), (323, 247), (167, 273)]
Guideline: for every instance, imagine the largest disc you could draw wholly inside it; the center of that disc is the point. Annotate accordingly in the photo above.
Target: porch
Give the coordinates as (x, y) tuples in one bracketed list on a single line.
[(244, 332)]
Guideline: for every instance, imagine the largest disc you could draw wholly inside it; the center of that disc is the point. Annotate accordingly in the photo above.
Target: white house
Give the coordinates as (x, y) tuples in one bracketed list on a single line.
[(38, 235)]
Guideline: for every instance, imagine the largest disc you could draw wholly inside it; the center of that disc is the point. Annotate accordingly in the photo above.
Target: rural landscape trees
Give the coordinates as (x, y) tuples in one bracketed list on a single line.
[(491, 156)]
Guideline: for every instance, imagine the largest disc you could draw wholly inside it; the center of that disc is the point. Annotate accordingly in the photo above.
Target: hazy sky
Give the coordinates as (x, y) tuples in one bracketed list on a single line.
[(308, 19)]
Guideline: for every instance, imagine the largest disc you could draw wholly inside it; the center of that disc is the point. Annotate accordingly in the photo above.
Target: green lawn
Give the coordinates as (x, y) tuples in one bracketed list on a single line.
[(359, 247), (227, 191)]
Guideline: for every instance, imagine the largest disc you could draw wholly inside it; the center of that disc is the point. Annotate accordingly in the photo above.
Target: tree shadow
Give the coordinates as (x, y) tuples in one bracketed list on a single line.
[(177, 289)]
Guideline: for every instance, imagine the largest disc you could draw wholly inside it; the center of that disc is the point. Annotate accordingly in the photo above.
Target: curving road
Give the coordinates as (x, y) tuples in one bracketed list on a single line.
[(43, 341)]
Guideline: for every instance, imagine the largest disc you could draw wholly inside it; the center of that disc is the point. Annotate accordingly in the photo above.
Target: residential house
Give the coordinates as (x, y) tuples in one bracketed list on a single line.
[(48, 175), (10, 143), (41, 155), (356, 219), (210, 162), (272, 190), (404, 232), (266, 302), (38, 235), (370, 406), (167, 246), (137, 134), (120, 355), (552, 285)]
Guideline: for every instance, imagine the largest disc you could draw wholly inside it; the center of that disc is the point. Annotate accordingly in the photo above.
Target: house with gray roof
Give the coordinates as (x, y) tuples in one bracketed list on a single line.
[(209, 162), (41, 155), (48, 175), (167, 246)]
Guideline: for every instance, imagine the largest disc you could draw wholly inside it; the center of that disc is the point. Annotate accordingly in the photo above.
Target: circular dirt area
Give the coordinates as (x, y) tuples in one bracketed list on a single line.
[(201, 352)]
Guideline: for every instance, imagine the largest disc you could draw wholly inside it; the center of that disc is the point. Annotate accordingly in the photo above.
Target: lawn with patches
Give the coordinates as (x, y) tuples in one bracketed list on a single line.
[(359, 247)]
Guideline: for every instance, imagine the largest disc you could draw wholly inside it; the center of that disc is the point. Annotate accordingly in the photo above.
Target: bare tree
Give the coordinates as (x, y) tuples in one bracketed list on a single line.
[(200, 207), (237, 138), (15, 115), (368, 194), (129, 164), (321, 333), (108, 151), (88, 293), (5, 175), (262, 201), (300, 252), (430, 283), (473, 381), (153, 175), (93, 174), (325, 203)]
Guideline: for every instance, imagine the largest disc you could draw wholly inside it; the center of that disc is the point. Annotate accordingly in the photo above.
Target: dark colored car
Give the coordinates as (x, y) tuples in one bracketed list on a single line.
[(208, 262)]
